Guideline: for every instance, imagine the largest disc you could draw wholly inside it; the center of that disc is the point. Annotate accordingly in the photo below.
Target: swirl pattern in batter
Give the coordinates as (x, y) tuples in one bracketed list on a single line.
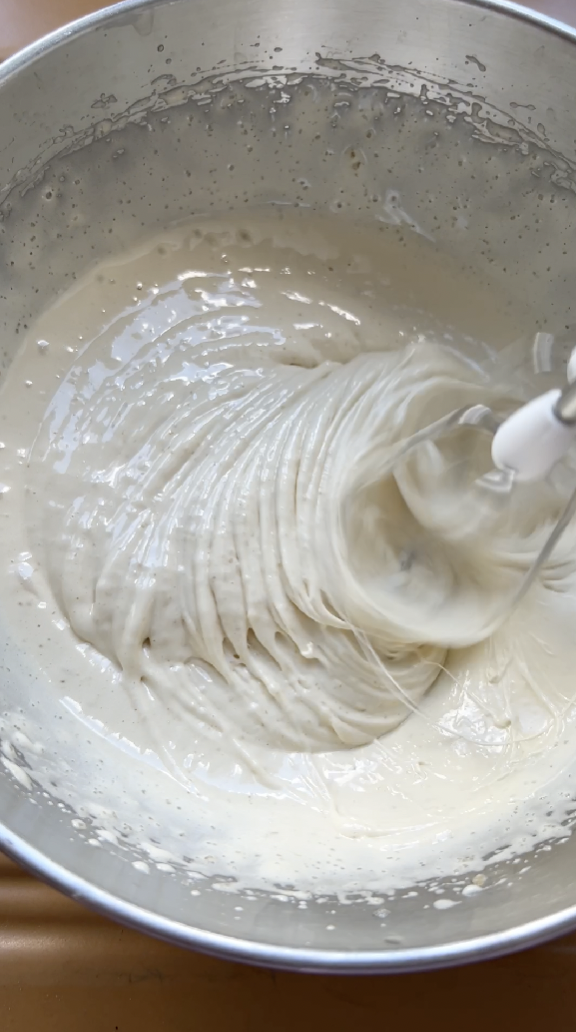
[(216, 504)]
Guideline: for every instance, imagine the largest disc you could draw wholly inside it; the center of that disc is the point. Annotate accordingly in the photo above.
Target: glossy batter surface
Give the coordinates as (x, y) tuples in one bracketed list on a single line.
[(201, 488)]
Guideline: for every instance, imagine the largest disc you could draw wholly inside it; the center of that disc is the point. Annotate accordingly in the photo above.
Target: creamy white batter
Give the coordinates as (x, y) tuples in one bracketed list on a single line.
[(202, 510)]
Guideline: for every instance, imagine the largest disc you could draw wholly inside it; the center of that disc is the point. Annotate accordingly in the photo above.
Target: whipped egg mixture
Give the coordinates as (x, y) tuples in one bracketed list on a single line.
[(212, 550)]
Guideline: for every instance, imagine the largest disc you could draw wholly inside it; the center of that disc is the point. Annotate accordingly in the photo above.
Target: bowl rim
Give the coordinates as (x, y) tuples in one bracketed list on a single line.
[(249, 951)]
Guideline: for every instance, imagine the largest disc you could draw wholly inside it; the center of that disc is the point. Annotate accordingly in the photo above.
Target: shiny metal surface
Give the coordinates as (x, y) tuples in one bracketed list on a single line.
[(565, 407), (51, 94), (64, 969)]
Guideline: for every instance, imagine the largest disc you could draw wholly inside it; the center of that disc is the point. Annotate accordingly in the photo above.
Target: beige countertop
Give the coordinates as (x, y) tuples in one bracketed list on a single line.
[(64, 969)]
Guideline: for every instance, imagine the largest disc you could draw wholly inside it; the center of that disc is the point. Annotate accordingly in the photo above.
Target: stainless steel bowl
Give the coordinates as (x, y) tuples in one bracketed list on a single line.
[(476, 100)]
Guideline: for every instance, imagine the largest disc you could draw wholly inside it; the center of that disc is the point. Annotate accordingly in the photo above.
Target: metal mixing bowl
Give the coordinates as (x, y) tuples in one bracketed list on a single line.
[(99, 141)]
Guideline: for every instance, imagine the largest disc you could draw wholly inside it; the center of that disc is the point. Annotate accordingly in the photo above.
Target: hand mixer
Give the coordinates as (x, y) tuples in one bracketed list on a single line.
[(525, 448)]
